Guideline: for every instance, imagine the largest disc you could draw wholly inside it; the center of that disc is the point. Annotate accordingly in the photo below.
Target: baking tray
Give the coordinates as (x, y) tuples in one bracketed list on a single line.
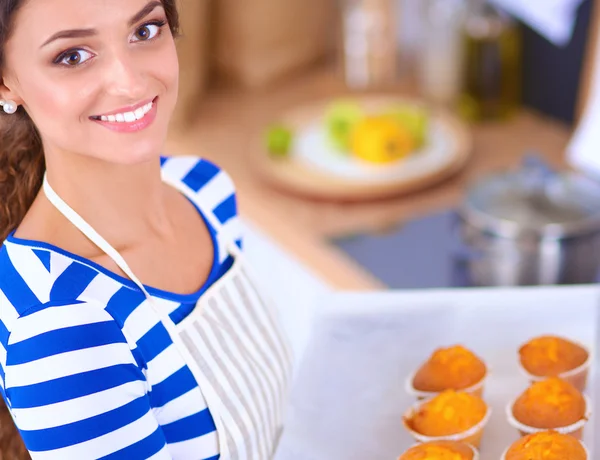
[(348, 396)]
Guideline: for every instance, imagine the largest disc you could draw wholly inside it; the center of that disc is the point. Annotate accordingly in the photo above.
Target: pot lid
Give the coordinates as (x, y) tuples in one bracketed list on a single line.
[(535, 199)]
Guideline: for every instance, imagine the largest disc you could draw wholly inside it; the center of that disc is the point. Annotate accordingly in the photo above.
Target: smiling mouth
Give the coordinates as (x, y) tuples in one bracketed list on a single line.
[(128, 116)]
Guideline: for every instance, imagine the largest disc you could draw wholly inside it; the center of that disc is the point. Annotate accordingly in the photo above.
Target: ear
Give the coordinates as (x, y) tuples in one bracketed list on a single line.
[(8, 93)]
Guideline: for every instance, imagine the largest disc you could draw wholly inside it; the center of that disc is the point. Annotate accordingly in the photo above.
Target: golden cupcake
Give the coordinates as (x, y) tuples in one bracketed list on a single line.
[(550, 356), (449, 416), (440, 450), (547, 445), (550, 403), (452, 368)]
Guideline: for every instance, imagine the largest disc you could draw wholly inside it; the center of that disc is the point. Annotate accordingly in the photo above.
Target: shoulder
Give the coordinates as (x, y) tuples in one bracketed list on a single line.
[(33, 275), (42, 289), (211, 186), (22, 280), (197, 173)]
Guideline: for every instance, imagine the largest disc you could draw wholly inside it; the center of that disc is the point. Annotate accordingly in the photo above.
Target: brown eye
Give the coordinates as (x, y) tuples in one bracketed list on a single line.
[(143, 33), (74, 58), (146, 32)]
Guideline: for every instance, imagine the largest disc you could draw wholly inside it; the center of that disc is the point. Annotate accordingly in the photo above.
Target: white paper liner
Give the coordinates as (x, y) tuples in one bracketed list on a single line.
[(587, 452), (565, 375), (411, 390), (476, 455), (452, 437), (475, 452), (563, 430)]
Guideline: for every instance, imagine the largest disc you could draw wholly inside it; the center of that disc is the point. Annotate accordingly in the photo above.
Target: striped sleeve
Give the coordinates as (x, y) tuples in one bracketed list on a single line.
[(74, 388)]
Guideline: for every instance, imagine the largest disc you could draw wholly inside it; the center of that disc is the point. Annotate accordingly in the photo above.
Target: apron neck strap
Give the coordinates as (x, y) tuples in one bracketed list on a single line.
[(90, 233)]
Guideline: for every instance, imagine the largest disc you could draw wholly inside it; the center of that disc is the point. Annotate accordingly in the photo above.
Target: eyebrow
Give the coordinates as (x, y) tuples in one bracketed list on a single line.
[(82, 33)]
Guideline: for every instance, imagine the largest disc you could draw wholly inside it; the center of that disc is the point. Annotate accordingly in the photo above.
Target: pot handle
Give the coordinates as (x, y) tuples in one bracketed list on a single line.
[(461, 254), (461, 251)]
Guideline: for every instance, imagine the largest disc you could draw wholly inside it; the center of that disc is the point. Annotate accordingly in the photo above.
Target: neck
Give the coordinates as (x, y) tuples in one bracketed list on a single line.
[(121, 202)]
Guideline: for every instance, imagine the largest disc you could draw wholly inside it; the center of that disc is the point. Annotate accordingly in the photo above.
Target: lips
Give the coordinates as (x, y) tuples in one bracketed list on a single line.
[(127, 114), (129, 119)]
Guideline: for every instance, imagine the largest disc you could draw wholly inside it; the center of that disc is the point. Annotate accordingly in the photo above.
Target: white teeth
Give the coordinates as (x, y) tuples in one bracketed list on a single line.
[(128, 117)]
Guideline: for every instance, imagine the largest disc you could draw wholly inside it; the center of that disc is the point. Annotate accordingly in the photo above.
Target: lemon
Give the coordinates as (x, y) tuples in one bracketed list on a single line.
[(381, 139)]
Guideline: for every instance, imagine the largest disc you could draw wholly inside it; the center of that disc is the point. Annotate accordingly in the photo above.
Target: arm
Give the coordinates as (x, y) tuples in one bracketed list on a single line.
[(75, 390)]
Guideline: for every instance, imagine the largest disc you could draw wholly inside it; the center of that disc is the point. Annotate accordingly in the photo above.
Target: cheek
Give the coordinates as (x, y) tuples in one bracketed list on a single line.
[(54, 104), (167, 70)]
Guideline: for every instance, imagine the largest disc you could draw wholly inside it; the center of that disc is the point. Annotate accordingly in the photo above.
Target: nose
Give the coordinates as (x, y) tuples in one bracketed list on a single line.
[(125, 77)]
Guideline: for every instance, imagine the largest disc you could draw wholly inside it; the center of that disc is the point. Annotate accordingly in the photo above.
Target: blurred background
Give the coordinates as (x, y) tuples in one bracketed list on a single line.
[(403, 143)]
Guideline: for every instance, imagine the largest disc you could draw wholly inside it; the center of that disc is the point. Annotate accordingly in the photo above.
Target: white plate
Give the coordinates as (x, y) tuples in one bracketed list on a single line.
[(313, 149)]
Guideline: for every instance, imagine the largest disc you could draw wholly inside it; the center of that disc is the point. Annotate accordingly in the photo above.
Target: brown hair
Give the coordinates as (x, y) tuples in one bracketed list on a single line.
[(21, 154), (21, 171)]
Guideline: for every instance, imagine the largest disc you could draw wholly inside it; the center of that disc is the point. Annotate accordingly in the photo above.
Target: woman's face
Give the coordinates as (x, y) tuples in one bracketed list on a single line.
[(98, 77)]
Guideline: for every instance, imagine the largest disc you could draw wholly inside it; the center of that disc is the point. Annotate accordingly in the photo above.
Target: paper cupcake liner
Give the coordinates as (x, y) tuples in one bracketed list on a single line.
[(471, 436), (475, 452), (476, 389), (576, 377), (476, 455), (570, 429), (587, 452)]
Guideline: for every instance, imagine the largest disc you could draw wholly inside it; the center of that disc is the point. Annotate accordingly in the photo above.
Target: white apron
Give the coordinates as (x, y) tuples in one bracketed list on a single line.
[(233, 344)]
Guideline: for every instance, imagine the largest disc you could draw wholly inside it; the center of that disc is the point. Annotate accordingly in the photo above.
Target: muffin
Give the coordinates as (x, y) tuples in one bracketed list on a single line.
[(449, 416), (441, 450), (452, 368), (546, 445), (551, 356), (550, 404)]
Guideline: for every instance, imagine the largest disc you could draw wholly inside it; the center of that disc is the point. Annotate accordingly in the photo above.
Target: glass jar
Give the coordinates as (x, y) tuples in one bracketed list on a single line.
[(368, 43), (441, 58)]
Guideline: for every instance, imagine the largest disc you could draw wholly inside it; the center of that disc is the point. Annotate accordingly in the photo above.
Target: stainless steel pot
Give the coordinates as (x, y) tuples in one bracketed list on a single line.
[(531, 227)]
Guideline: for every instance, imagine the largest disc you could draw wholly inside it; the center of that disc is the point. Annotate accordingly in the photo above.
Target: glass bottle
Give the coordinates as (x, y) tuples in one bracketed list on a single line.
[(368, 43), (441, 58), (491, 86)]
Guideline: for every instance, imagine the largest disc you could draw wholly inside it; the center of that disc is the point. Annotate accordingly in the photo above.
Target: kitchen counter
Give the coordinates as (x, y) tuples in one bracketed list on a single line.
[(227, 131)]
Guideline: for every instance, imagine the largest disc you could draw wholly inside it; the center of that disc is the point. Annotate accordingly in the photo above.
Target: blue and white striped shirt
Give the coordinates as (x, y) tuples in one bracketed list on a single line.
[(86, 367)]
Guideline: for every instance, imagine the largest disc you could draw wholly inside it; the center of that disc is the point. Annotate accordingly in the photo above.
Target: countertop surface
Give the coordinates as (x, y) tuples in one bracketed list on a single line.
[(227, 131)]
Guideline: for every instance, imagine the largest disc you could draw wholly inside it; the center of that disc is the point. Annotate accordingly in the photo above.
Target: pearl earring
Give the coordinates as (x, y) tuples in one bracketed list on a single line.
[(9, 107)]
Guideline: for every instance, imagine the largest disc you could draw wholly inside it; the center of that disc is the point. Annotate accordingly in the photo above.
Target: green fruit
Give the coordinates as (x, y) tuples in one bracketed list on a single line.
[(279, 140), (340, 120), (414, 119)]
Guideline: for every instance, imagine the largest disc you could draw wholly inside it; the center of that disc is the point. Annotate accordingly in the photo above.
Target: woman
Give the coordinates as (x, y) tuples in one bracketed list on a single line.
[(129, 325)]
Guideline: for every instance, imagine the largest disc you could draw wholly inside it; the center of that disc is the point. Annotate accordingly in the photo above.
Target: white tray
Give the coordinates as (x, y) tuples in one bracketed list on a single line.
[(348, 397)]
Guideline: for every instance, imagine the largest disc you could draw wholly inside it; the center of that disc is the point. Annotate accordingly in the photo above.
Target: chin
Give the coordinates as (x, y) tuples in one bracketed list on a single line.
[(133, 151), (138, 154)]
